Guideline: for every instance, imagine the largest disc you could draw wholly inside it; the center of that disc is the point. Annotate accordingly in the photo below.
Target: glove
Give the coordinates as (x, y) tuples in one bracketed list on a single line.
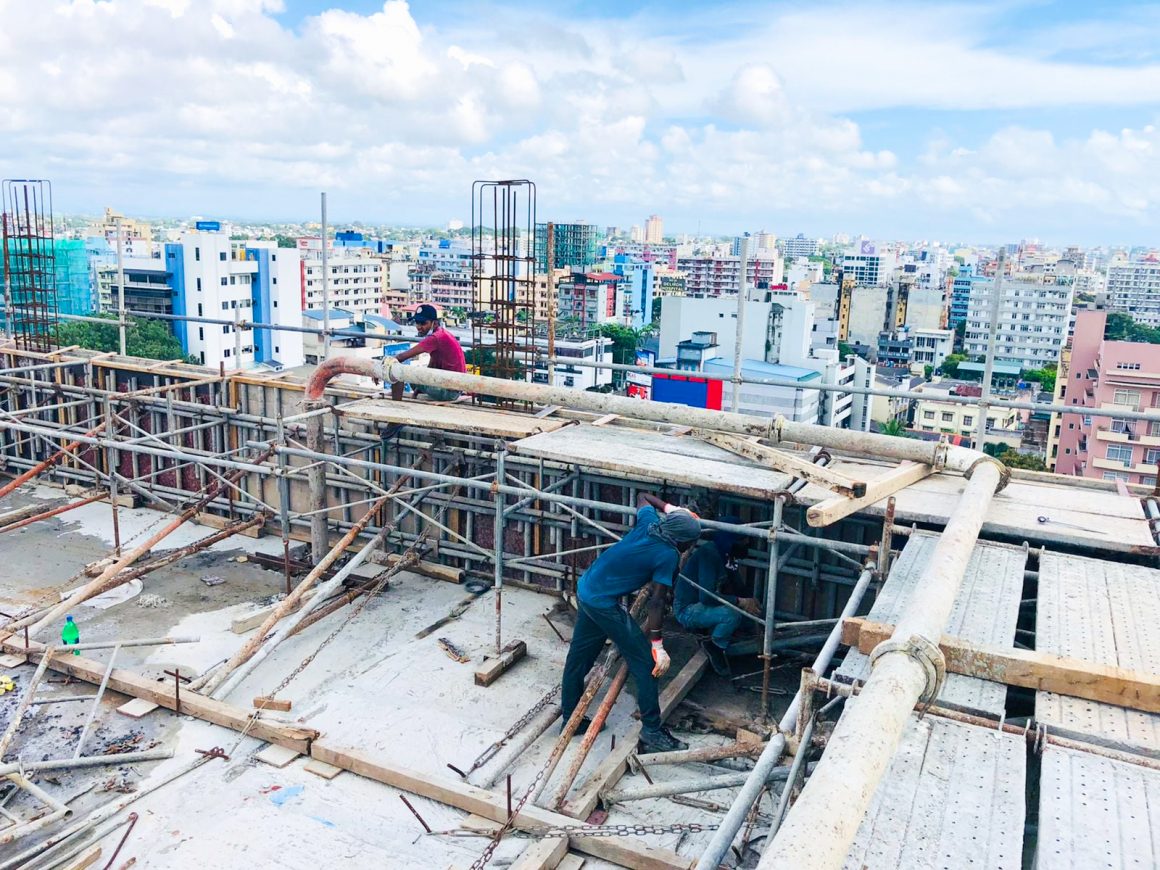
[(669, 508), (660, 658), (750, 605)]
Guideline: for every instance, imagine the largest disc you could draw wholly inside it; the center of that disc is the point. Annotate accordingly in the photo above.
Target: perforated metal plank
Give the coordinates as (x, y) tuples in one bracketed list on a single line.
[(1096, 812), (1107, 613), (953, 797), (985, 611)]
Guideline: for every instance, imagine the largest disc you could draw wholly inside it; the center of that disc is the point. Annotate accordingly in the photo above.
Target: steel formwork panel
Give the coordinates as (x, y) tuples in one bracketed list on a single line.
[(952, 798), (985, 611), (1106, 613)]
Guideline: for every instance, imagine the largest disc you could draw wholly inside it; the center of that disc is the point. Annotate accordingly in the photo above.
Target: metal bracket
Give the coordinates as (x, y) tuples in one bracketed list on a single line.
[(923, 651)]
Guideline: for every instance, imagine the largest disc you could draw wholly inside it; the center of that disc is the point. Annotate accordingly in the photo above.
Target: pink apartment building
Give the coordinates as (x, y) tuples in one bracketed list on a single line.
[(1106, 374)]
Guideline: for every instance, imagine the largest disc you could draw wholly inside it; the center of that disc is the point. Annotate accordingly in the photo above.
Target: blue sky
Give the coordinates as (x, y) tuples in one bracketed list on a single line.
[(954, 121)]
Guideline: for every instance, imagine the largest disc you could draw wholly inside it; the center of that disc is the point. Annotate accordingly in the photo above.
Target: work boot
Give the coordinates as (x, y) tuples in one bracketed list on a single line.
[(582, 728), (659, 741), (717, 658)]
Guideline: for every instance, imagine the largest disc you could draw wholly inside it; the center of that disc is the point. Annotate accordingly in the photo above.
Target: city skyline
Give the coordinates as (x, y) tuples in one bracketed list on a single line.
[(983, 122)]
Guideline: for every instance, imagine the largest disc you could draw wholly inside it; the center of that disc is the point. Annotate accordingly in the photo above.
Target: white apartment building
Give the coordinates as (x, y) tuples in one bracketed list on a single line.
[(1135, 289), (799, 246), (930, 347), (803, 271), (868, 266), (1033, 322), (355, 281)]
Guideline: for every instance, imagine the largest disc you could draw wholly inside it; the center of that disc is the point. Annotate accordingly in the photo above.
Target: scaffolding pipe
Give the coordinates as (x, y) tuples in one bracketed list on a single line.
[(722, 839), (686, 786), (906, 668), (87, 761), (59, 811), (49, 462), (207, 685), (319, 519), (739, 342), (324, 591), (594, 728)]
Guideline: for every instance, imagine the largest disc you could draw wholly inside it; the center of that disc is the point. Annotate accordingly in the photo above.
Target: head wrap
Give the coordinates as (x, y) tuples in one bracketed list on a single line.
[(725, 539), (676, 528)]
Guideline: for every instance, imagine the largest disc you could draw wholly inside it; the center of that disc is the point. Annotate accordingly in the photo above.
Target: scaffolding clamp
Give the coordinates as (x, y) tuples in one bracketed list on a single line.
[(1004, 471), (926, 653)]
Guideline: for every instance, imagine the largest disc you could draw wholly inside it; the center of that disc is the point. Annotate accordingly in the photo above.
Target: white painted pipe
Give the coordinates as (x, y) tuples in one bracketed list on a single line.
[(866, 737)]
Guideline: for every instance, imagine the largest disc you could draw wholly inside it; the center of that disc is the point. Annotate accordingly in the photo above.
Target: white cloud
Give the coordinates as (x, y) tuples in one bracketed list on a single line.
[(641, 114)]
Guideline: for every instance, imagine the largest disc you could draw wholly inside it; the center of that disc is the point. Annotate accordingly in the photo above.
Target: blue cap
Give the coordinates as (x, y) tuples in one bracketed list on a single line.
[(425, 313), (68, 619)]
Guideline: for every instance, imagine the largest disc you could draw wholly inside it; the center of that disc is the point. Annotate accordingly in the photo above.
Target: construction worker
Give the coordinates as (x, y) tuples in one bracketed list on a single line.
[(649, 554), (444, 349), (709, 566)]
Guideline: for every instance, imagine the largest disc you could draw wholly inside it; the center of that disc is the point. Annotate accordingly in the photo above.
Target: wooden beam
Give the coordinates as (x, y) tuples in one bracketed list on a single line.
[(612, 768), (830, 511), (161, 693), (501, 664), (265, 702), (783, 461), (619, 850), (542, 855), (1135, 690)]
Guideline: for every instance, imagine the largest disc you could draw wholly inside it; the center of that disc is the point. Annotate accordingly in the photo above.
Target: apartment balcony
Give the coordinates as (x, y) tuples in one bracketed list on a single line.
[(1130, 437), (1112, 464)]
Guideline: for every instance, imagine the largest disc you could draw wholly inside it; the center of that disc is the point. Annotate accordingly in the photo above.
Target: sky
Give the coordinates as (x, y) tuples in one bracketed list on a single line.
[(960, 122)]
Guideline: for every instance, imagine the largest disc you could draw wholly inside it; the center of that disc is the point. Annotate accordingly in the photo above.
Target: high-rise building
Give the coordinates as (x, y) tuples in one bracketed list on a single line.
[(654, 230), (869, 266), (1134, 289), (573, 246), (1097, 373), (1033, 322), (961, 296), (800, 246), (355, 281), (721, 276)]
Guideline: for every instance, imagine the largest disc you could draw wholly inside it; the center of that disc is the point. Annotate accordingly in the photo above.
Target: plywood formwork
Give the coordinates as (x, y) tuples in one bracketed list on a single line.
[(986, 610), (952, 798), (1103, 612)]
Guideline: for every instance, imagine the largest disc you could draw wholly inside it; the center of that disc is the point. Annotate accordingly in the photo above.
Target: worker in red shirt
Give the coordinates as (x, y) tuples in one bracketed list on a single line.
[(444, 350)]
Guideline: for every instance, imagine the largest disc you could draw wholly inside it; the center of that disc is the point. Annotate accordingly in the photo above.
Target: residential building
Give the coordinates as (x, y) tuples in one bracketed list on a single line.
[(711, 276), (246, 281), (1032, 326), (355, 281), (148, 285), (587, 299), (595, 349), (131, 230), (573, 246), (1107, 374), (961, 296), (931, 346), (937, 414), (660, 254), (313, 344), (802, 272), (799, 246), (869, 266), (883, 409), (654, 230), (1134, 289), (895, 349)]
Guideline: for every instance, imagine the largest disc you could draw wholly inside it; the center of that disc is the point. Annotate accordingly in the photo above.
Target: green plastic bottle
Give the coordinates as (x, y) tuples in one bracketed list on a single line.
[(70, 634)]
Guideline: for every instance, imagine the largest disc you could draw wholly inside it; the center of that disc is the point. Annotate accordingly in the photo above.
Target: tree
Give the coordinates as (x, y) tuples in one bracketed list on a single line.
[(1026, 461), (844, 350), (895, 427), (927, 371), (656, 308), (1121, 327), (1044, 376), (960, 334), (150, 339), (286, 241), (950, 365)]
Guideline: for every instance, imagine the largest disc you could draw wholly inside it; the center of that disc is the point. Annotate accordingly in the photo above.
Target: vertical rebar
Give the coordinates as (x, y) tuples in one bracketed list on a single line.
[(498, 543)]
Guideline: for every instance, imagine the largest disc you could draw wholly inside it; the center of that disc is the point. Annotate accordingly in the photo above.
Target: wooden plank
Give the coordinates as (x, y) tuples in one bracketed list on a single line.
[(126, 682), (454, 418), (1028, 668), (85, 859), (787, 462), (265, 702), (501, 664), (619, 850), (605, 420), (542, 855), (252, 620), (570, 862), (137, 708), (321, 768), (10, 661), (426, 569), (277, 756), (612, 768), (216, 522), (830, 511)]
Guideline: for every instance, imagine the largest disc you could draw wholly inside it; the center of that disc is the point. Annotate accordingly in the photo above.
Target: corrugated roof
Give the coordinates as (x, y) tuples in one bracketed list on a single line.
[(760, 368)]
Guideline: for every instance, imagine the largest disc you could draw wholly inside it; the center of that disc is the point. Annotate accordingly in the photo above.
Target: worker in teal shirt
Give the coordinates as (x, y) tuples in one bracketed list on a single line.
[(648, 555), (710, 565)]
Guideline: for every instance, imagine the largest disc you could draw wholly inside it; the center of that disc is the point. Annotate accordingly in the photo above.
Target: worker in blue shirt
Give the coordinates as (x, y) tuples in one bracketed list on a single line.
[(708, 567), (649, 554)]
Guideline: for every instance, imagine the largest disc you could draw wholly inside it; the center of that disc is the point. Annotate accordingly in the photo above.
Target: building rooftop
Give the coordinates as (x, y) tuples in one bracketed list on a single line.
[(760, 368)]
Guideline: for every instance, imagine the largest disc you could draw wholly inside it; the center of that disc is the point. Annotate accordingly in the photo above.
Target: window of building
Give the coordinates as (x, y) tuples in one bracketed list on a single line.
[(226, 352), (947, 416), (1115, 475), (1152, 456), (198, 285), (222, 256), (1120, 453), (1130, 398), (225, 305), (967, 421), (201, 333), (199, 309), (1087, 419), (224, 281), (1148, 480), (197, 254), (226, 329), (233, 279), (990, 422), (928, 415), (1154, 429)]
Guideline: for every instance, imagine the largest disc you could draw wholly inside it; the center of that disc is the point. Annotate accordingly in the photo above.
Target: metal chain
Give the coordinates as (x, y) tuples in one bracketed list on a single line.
[(637, 830), (521, 723)]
